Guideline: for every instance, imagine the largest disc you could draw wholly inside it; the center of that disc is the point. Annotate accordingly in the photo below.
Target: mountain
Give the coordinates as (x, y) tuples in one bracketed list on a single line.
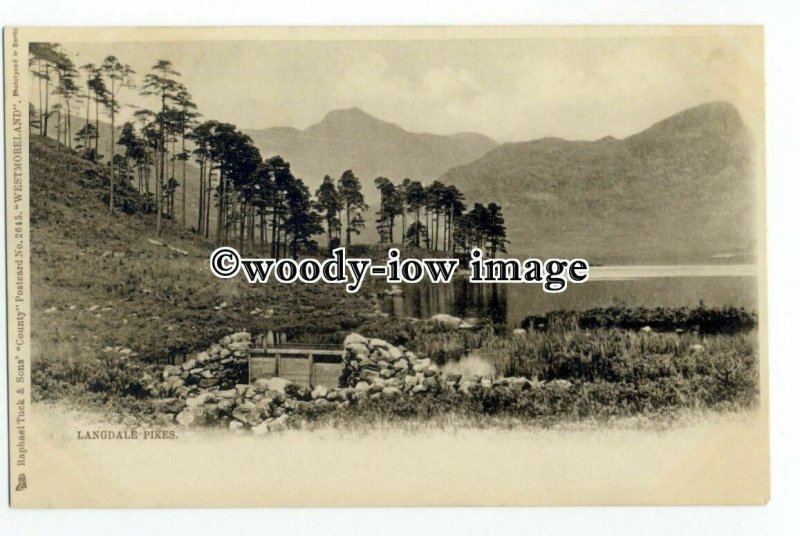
[(683, 190), (353, 139)]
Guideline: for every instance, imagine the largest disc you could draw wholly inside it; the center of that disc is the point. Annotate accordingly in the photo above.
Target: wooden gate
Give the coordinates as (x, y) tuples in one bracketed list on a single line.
[(303, 364)]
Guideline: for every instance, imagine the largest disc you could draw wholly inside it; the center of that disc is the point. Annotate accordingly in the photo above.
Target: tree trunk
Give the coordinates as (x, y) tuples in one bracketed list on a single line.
[(46, 96), (111, 143)]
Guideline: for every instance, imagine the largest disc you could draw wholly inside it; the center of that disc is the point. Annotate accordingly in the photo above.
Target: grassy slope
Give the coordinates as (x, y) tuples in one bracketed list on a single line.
[(110, 286)]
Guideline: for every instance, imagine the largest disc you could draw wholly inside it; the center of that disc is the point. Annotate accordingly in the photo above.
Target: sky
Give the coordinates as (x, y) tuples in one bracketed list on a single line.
[(509, 89)]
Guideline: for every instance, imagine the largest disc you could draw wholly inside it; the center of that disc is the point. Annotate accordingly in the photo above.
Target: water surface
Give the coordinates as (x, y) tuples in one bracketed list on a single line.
[(651, 286)]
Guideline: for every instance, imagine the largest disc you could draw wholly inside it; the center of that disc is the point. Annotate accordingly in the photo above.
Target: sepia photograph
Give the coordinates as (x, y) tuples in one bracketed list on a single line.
[(482, 266)]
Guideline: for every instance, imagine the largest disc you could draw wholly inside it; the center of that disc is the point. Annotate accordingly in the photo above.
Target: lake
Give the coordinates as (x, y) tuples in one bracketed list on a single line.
[(653, 286)]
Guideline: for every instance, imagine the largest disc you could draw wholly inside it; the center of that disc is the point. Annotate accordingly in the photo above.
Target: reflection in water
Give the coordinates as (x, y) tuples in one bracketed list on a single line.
[(511, 303), (459, 298)]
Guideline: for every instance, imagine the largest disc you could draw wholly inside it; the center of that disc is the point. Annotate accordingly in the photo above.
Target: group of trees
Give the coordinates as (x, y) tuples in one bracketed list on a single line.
[(445, 224), (255, 201)]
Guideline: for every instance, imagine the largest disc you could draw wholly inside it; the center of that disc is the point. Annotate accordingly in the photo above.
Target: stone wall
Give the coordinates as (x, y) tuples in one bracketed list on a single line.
[(211, 389)]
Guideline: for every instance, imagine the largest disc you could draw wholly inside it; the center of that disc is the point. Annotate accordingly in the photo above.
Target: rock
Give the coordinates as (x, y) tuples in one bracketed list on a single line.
[(170, 405), (261, 385), (247, 413), (444, 320), (355, 338), (298, 392), (278, 423), (422, 365), (561, 384), (453, 378), (419, 389), (391, 392), (241, 336), (278, 385), (200, 399), (401, 364), (170, 370), (238, 346), (320, 391), (241, 389), (173, 382), (386, 373), (520, 332), (205, 383), (378, 343), (225, 341), (646, 329), (260, 429), (362, 386), (430, 382), (394, 353), (358, 348), (235, 425), (367, 374), (186, 417)]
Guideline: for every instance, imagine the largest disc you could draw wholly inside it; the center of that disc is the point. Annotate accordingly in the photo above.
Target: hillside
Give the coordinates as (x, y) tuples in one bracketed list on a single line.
[(353, 139), (99, 282), (681, 191)]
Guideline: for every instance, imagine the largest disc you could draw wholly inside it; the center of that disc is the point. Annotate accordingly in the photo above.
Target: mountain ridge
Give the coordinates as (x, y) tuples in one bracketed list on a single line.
[(681, 189), (350, 138)]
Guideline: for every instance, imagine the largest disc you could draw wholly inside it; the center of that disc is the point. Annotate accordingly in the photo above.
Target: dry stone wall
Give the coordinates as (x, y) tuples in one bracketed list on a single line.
[(211, 389)]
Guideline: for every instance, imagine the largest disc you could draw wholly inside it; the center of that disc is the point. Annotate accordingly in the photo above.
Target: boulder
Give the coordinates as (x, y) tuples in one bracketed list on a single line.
[(205, 383), (379, 343), (241, 336), (359, 349), (278, 423), (170, 370), (238, 347), (170, 405), (355, 338), (394, 353), (391, 392), (260, 429), (367, 374), (247, 413), (200, 399), (190, 416), (278, 385), (320, 391), (520, 332)]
